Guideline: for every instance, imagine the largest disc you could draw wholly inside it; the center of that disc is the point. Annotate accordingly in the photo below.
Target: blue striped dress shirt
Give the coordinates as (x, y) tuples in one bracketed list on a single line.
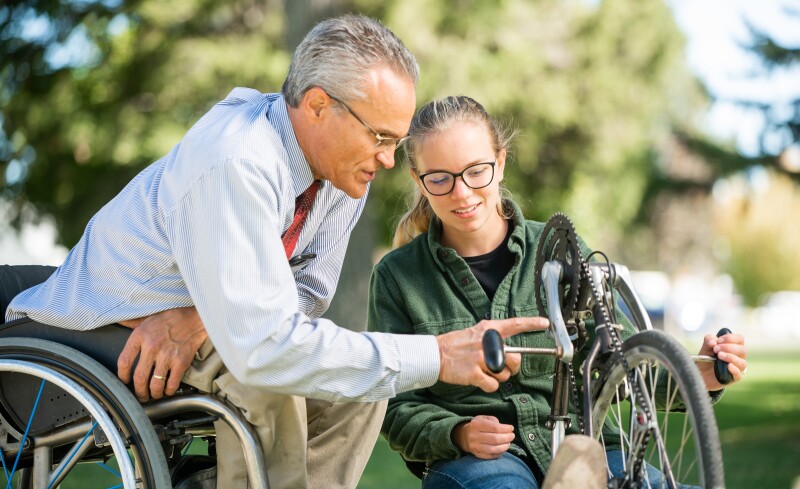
[(202, 226)]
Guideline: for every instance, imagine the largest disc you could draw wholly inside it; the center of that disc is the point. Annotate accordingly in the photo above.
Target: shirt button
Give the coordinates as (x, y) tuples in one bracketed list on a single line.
[(531, 436), (465, 281), (488, 315)]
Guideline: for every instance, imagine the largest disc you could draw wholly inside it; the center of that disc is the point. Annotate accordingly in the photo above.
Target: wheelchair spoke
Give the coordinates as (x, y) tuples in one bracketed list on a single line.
[(3, 460), (188, 445), (71, 458), (25, 436), (105, 466)]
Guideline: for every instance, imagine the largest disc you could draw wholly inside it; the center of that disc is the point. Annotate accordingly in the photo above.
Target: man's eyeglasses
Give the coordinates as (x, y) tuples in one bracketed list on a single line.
[(443, 182), (383, 141)]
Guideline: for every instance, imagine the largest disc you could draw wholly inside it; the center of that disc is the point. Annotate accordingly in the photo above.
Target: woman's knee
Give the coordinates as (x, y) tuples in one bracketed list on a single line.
[(470, 472)]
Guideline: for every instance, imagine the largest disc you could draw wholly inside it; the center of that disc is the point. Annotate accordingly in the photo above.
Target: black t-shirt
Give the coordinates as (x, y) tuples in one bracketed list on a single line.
[(490, 269)]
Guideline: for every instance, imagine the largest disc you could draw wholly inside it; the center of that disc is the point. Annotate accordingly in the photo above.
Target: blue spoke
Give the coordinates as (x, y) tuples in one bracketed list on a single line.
[(25, 436), (101, 464), (117, 486), (3, 460), (63, 464), (187, 446)]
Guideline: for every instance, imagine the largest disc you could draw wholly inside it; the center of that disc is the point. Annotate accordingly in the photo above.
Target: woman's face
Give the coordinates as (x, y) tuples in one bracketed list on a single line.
[(467, 214)]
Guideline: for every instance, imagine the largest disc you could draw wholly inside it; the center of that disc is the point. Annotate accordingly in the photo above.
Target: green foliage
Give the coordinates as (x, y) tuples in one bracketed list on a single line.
[(74, 135), (586, 85), (588, 88), (762, 255)]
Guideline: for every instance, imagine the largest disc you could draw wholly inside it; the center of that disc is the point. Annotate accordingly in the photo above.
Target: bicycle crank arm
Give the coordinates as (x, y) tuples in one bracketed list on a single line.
[(556, 352)]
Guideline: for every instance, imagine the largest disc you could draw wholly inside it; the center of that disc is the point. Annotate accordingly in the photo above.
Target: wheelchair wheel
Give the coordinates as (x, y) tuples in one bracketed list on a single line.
[(66, 421), (653, 414)]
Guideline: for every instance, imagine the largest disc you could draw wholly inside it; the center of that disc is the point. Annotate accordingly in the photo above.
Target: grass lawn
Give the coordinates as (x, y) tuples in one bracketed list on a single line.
[(759, 422)]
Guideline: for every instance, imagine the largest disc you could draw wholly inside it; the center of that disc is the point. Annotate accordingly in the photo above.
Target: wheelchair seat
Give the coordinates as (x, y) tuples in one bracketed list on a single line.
[(103, 344), (16, 278)]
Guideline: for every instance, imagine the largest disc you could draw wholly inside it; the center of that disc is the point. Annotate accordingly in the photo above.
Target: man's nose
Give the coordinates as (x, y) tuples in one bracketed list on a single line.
[(385, 157)]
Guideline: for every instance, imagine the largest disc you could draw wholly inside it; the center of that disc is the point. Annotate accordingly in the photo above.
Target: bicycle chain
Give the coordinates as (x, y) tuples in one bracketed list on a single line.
[(575, 398), (617, 350)]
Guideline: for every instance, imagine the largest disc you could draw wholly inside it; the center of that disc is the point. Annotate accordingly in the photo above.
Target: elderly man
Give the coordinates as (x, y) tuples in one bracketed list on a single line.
[(241, 231)]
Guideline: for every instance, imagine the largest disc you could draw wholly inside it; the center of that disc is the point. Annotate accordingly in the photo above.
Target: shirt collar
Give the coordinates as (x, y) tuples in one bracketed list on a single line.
[(278, 116)]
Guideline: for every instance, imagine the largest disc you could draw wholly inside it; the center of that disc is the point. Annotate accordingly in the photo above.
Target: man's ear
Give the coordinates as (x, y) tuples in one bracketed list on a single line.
[(315, 101)]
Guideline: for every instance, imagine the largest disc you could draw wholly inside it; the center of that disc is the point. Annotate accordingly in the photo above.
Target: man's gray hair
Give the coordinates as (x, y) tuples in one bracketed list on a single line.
[(337, 54)]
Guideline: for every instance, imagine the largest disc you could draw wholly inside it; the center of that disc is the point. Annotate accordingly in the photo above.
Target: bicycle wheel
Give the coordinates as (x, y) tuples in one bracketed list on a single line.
[(653, 414), (77, 424)]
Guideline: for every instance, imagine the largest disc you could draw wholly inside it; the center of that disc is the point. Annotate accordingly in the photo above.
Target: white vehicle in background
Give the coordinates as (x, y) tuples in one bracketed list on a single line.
[(779, 316)]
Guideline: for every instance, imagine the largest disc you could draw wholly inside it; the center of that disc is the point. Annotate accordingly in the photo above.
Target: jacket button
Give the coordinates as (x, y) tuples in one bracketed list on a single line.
[(488, 315), (465, 281), (509, 385), (531, 436), (442, 254), (523, 400)]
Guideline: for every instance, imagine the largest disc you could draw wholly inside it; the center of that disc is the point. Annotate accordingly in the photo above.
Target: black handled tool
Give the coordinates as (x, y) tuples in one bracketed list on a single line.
[(494, 351), (721, 372)]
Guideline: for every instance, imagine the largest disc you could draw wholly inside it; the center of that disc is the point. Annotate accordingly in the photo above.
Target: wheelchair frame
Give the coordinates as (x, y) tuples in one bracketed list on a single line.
[(100, 428)]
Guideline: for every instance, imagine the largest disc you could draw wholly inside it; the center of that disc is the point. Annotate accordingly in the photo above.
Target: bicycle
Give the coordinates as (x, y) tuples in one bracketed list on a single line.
[(631, 388)]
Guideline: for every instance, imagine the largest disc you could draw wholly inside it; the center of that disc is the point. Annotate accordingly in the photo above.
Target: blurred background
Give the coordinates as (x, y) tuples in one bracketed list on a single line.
[(669, 131)]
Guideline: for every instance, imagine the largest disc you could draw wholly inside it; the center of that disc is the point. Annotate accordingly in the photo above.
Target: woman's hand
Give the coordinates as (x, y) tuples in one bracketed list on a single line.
[(484, 436), (728, 348)]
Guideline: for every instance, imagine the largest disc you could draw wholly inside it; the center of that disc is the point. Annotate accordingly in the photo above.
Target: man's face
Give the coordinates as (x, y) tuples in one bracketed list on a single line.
[(345, 152)]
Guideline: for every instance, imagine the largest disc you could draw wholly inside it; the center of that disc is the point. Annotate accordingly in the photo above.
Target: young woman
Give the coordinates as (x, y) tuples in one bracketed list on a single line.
[(463, 253)]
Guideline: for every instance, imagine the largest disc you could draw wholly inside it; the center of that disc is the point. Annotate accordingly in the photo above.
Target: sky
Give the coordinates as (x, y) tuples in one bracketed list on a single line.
[(715, 30)]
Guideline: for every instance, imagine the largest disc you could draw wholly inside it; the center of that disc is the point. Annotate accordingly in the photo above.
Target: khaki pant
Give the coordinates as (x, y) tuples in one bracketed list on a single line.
[(307, 443)]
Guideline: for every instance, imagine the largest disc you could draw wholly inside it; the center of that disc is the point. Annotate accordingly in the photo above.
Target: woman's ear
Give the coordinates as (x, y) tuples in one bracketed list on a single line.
[(418, 181), (501, 164)]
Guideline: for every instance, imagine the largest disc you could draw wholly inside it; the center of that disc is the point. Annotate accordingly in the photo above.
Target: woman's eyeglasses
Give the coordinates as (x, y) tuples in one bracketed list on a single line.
[(442, 182)]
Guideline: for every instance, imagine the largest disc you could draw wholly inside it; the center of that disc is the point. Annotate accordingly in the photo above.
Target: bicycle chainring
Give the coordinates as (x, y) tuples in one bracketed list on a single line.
[(559, 242)]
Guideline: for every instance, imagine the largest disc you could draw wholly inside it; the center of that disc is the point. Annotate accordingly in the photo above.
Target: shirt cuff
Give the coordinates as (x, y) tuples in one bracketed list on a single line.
[(419, 361)]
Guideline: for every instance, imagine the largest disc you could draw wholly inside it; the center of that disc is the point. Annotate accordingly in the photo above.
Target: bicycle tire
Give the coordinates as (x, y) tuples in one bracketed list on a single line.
[(127, 414), (655, 371)]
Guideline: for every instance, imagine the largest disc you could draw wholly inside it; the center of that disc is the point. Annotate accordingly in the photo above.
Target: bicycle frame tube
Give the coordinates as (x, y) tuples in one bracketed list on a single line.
[(620, 278)]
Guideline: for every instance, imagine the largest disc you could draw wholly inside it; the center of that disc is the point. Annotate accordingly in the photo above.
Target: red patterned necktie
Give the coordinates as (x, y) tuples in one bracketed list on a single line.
[(302, 206)]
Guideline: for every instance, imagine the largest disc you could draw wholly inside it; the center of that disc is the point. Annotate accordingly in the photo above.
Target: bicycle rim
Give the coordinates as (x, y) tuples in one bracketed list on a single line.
[(652, 406)]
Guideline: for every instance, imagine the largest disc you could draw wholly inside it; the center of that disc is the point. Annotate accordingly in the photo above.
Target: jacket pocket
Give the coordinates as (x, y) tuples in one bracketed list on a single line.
[(444, 391)]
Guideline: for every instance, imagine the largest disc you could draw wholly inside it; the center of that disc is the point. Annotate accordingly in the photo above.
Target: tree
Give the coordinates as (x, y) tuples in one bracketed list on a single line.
[(590, 88), (106, 88)]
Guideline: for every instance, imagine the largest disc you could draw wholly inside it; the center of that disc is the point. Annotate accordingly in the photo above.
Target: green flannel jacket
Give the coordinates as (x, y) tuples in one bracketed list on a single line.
[(425, 288)]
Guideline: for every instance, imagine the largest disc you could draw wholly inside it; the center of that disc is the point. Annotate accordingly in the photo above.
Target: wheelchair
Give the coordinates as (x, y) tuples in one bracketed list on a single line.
[(65, 417)]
